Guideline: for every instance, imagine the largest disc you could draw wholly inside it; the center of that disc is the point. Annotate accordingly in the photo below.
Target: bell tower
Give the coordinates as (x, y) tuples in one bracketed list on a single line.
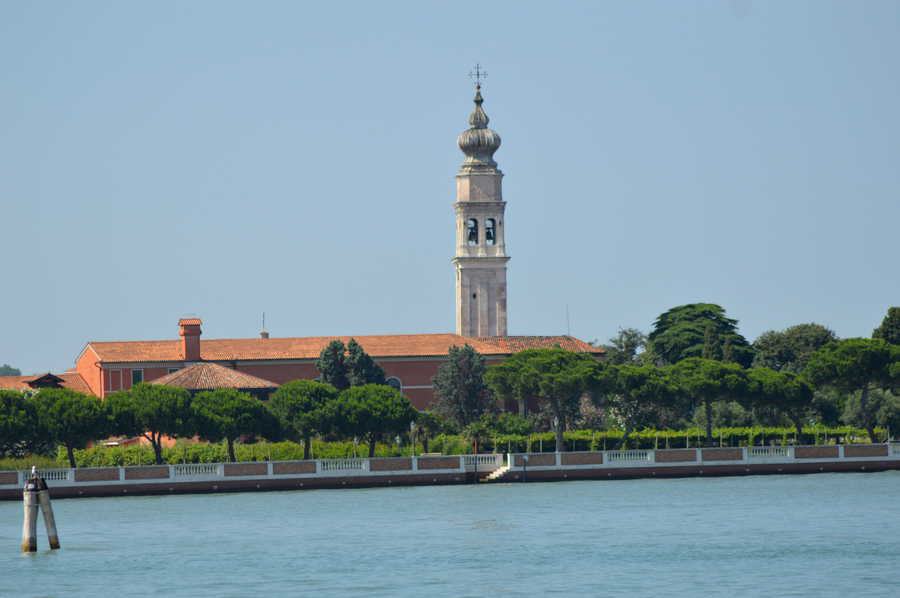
[(480, 259)]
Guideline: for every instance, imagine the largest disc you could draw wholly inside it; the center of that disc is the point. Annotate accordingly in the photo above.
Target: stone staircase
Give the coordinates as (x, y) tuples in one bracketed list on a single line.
[(496, 475)]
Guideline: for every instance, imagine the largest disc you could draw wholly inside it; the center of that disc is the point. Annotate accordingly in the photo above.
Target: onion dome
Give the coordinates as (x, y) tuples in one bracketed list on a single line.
[(478, 142)]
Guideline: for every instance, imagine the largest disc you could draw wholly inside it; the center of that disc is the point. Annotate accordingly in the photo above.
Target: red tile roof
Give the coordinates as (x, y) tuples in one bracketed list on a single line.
[(69, 380), (378, 346), (209, 376)]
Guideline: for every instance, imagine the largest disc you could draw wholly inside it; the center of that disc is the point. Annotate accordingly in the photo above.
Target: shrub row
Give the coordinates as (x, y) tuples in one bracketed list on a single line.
[(448, 444)]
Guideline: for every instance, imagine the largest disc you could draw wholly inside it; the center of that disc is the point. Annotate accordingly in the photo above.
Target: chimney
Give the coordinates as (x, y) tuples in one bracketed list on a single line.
[(189, 331)]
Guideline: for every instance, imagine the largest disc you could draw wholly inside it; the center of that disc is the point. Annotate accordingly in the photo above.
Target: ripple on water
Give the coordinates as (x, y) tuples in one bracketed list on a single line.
[(826, 534)]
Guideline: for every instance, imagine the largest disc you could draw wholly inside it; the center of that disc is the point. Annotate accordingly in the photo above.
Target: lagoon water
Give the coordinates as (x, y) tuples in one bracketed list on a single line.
[(810, 535)]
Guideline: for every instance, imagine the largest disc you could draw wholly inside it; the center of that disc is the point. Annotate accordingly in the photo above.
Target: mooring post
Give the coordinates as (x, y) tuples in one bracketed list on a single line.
[(30, 502), (47, 512)]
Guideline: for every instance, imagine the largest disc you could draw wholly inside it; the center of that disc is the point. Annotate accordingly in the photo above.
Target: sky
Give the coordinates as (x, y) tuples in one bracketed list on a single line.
[(224, 159)]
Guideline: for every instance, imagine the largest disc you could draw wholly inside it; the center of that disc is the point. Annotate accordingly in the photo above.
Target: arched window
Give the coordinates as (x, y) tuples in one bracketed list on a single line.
[(472, 231), (395, 382), (490, 231)]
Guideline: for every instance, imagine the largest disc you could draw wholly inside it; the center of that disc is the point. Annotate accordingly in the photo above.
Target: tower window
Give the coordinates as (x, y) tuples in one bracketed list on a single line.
[(395, 382), (490, 231), (472, 231)]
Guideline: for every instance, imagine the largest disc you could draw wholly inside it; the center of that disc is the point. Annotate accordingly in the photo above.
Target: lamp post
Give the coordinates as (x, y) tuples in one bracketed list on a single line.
[(412, 437), (525, 467), (556, 432)]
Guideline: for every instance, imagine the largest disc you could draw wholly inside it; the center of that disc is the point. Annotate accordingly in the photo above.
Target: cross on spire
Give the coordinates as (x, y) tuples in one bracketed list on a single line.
[(477, 73)]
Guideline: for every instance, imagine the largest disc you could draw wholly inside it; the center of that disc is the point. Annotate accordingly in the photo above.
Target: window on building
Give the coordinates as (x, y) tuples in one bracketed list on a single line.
[(490, 231), (137, 376), (472, 231), (394, 382)]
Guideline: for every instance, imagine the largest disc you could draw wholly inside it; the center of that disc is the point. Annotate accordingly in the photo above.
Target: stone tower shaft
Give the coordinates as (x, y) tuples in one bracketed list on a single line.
[(480, 258)]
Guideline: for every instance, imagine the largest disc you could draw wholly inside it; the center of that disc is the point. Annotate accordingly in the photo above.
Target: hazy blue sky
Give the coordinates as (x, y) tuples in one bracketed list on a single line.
[(224, 159)]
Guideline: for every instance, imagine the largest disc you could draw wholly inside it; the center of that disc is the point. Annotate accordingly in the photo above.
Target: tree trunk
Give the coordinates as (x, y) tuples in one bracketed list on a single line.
[(307, 444), (707, 406), (71, 454), (560, 443), (521, 407), (372, 440), (230, 443), (798, 424), (424, 443), (157, 449), (868, 424)]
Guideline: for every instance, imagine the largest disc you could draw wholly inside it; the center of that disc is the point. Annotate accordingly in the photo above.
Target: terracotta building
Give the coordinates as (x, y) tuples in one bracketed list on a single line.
[(409, 360)]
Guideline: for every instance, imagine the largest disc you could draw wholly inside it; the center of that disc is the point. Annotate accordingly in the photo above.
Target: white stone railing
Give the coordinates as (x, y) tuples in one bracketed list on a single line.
[(632, 456), (487, 461), (350, 464), (768, 452), (195, 469), (56, 475)]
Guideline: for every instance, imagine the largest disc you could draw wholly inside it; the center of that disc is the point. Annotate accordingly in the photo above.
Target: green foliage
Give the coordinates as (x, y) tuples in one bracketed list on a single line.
[(69, 418), (784, 392), (302, 408), (685, 331), (19, 429), (8, 370), (331, 365), (151, 411), (790, 349), (460, 392), (709, 381), (227, 414), (625, 347), (371, 410), (556, 377), (635, 394), (361, 368), (889, 330), (856, 364), (883, 407), (343, 367)]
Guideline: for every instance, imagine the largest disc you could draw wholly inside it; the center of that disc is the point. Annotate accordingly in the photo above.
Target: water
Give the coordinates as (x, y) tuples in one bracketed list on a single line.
[(821, 535)]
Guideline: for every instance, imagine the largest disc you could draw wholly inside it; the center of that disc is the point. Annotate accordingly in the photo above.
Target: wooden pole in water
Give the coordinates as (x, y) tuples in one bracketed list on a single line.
[(29, 527), (47, 512)]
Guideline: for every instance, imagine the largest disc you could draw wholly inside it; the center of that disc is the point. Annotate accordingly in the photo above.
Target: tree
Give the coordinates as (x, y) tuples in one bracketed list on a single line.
[(70, 418), (459, 388), (884, 406), (429, 425), (625, 347), (856, 365), (227, 414), (331, 365), (302, 408), (8, 370), (685, 331), (709, 381), (556, 377), (889, 331), (18, 423), (151, 411), (361, 368), (343, 367), (371, 410), (786, 392), (635, 393), (790, 349)]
